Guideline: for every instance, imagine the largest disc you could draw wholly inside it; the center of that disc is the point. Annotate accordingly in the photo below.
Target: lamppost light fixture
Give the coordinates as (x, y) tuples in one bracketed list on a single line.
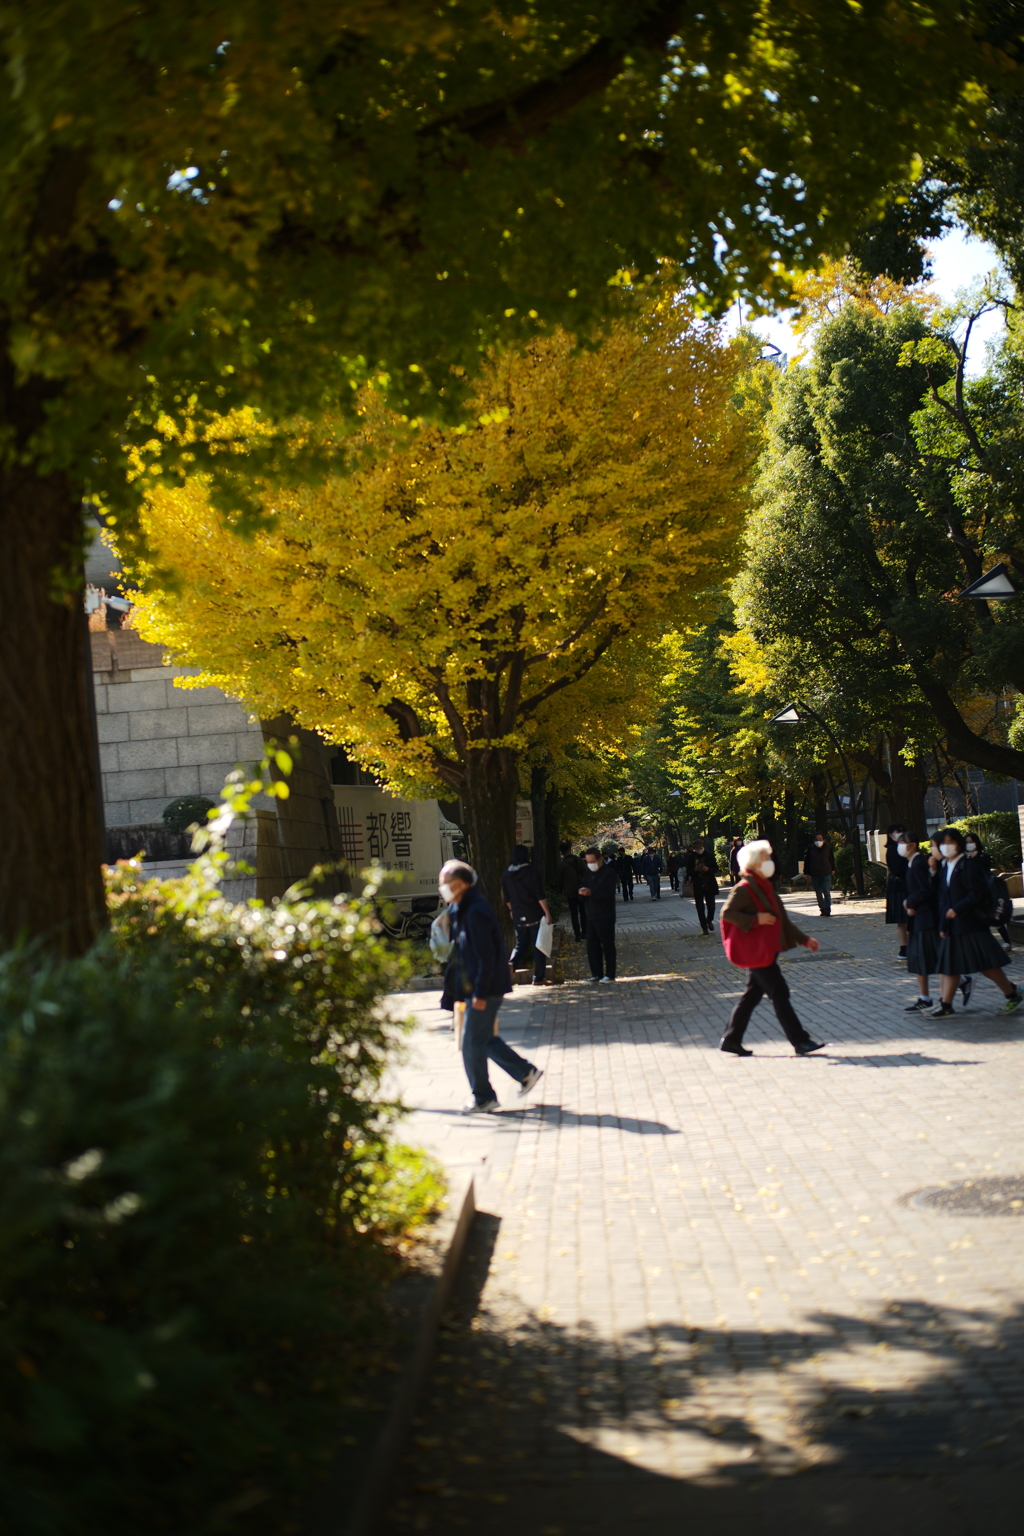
[(994, 585), (788, 716)]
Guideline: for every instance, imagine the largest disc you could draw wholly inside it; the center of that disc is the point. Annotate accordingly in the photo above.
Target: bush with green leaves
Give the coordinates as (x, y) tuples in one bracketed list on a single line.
[(185, 812), (199, 1207), (1000, 836), (875, 875)]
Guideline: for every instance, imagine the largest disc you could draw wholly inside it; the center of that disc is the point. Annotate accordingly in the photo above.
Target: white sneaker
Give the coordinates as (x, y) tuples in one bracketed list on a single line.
[(603, 979), (471, 1107), (531, 1080)]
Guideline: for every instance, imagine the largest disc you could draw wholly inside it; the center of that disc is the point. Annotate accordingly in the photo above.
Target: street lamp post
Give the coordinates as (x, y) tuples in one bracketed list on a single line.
[(794, 714)]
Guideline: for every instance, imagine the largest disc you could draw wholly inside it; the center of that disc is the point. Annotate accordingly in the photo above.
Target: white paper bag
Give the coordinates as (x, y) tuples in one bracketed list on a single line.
[(544, 935)]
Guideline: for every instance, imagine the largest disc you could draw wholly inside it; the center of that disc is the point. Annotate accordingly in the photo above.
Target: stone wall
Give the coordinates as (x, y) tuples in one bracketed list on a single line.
[(158, 742)]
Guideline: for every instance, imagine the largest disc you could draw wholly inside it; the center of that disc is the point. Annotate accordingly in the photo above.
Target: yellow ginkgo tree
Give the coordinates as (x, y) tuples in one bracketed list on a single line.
[(434, 604)]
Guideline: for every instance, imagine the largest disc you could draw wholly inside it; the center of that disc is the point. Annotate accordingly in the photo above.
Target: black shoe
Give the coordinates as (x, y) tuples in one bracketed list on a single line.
[(941, 1011), (809, 1046), (735, 1050), (902, 952), (920, 1005), (966, 988)]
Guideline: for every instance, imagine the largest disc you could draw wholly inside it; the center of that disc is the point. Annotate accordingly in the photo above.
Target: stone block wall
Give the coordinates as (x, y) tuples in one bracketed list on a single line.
[(158, 742)]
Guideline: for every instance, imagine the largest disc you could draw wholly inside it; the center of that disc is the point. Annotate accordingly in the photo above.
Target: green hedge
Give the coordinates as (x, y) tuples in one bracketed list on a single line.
[(199, 1205), (1000, 835)]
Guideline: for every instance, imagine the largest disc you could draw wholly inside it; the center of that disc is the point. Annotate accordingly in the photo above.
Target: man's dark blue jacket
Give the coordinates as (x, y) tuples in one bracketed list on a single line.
[(479, 961)]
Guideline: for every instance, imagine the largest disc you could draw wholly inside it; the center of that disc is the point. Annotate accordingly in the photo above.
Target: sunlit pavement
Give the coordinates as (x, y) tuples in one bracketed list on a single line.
[(701, 1290)]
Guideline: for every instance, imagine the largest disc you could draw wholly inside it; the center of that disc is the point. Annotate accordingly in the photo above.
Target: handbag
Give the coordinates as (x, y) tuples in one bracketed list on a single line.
[(441, 936), (760, 947), (545, 932)]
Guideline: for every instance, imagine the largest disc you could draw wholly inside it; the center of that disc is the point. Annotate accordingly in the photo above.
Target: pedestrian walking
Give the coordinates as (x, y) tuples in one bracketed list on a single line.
[(819, 867), (624, 874), (523, 890), (599, 898), (756, 928), (922, 920), (704, 879), (734, 857), (651, 866), (966, 946), (975, 849), (477, 975), (570, 876), (895, 885), (673, 865)]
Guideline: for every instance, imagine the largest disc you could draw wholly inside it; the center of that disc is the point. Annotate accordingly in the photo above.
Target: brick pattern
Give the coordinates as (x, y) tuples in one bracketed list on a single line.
[(700, 1276)]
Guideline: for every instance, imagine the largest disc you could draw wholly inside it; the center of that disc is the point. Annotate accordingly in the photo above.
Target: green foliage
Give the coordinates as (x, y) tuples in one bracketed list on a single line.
[(875, 875), (999, 832), (185, 812), (199, 1202)]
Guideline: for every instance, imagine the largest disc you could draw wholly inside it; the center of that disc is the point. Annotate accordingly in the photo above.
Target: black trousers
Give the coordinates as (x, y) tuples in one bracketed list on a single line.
[(705, 905), (601, 942), (626, 881), (578, 914), (765, 981), (526, 949)]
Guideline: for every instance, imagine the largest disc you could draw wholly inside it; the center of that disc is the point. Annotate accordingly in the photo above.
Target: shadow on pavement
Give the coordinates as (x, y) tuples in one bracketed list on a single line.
[(530, 1429)]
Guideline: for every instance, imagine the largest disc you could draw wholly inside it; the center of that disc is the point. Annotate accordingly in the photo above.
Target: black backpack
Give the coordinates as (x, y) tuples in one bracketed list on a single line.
[(997, 906)]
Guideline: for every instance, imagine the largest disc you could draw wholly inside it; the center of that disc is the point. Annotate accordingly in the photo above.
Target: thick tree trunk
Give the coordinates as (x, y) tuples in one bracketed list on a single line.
[(907, 788), (961, 741), (820, 805), (489, 794), (538, 804), (50, 886)]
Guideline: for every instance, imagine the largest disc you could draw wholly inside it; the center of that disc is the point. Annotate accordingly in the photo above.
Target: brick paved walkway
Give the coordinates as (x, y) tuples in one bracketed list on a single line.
[(700, 1291)]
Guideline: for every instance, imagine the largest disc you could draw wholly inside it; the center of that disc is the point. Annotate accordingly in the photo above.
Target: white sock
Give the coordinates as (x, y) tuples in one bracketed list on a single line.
[(922, 999)]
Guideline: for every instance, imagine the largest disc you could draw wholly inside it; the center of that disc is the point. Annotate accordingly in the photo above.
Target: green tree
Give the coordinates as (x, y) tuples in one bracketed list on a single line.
[(261, 203)]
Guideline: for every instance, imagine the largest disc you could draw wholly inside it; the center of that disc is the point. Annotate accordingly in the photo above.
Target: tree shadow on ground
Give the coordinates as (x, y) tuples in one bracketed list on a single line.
[(529, 1427)]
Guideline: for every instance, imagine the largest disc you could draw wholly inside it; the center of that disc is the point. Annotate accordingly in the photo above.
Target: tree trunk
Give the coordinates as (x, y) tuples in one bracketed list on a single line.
[(538, 805), (907, 789), (489, 793), (820, 805), (551, 860), (50, 885)]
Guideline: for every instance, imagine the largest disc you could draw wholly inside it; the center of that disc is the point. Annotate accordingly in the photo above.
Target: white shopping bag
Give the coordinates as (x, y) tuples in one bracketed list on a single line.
[(544, 935)]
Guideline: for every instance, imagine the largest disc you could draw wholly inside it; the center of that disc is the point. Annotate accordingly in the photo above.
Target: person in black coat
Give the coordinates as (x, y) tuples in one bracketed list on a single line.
[(975, 849), (570, 875), (819, 867), (704, 879), (523, 890), (624, 874), (966, 945), (923, 922), (895, 887), (599, 895), (477, 975)]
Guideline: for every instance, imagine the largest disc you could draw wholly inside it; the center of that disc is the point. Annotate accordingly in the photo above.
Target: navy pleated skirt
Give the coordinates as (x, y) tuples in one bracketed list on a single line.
[(967, 953), (923, 953), (895, 896)]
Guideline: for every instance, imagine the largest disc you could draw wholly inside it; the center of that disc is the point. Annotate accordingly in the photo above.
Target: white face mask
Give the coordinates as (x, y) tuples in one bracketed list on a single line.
[(819, 842), (446, 892), (895, 836), (972, 847), (766, 868), (901, 849), (592, 865), (949, 850)]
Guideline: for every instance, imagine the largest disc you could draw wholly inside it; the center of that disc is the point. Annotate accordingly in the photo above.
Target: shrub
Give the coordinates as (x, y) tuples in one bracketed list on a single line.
[(1000, 835), (198, 1207), (181, 814)]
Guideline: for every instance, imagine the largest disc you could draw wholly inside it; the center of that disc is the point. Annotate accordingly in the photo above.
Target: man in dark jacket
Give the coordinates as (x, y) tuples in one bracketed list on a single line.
[(570, 874), (523, 890), (819, 867), (598, 891), (477, 975), (624, 872), (650, 867), (704, 882)]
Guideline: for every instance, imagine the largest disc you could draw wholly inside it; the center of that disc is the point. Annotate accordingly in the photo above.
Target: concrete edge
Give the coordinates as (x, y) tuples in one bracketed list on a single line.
[(378, 1481)]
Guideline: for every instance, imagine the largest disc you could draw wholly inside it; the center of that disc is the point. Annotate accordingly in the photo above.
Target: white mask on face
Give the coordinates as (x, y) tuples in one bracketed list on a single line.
[(949, 851), (895, 836), (819, 842), (901, 849), (972, 847), (446, 892), (766, 868), (591, 864)]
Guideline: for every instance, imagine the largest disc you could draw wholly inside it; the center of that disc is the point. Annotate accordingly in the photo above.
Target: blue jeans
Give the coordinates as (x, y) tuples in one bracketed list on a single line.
[(480, 1042), (654, 883), (526, 949), (823, 890)]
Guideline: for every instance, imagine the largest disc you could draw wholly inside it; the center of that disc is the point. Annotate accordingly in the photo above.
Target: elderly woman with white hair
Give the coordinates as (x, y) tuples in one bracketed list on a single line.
[(756, 928)]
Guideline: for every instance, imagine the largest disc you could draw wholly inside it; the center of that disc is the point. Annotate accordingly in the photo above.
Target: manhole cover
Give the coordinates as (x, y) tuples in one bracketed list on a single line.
[(975, 1197)]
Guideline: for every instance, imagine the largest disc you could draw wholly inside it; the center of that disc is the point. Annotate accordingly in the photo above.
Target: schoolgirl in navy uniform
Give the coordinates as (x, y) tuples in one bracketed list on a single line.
[(923, 925), (895, 888), (966, 944)]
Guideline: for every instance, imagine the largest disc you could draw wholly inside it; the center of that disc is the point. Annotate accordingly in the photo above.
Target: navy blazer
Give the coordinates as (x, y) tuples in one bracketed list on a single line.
[(963, 888), (921, 883), (479, 961), (897, 864)]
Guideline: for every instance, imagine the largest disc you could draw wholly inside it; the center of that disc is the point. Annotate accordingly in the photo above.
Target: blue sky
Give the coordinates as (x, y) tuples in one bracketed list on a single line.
[(957, 260)]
